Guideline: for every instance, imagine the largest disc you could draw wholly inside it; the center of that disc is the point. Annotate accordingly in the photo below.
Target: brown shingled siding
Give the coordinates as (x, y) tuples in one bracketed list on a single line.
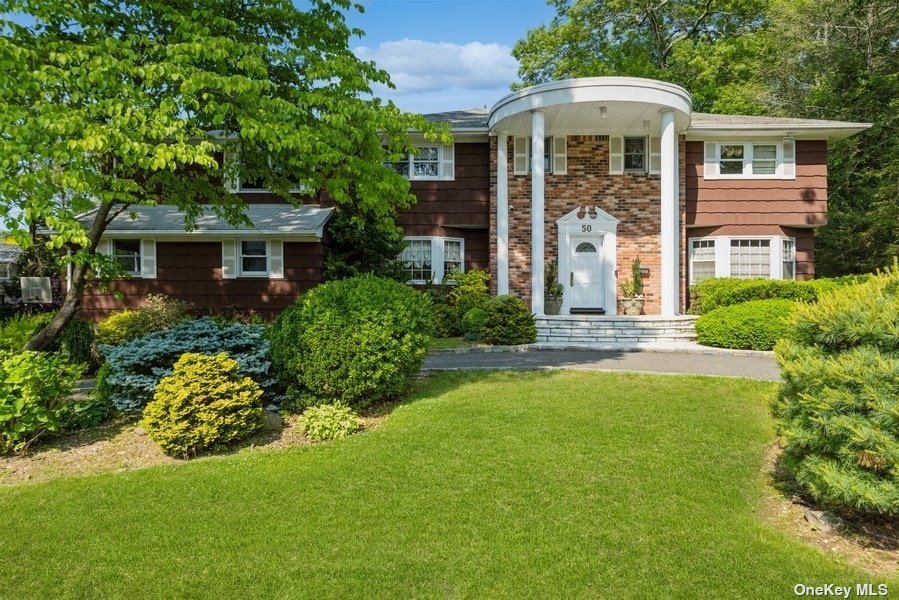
[(192, 271), (789, 202), (457, 208)]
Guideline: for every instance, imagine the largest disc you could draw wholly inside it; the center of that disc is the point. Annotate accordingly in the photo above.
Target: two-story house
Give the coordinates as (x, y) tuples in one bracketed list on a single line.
[(586, 174)]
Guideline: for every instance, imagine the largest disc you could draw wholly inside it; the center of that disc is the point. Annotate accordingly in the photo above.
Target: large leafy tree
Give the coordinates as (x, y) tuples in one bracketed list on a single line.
[(839, 59), (107, 105), (700, 43)]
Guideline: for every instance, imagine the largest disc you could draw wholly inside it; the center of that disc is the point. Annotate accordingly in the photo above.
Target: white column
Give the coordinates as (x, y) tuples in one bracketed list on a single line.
[(537, 132), (502, 215), (670, 276)]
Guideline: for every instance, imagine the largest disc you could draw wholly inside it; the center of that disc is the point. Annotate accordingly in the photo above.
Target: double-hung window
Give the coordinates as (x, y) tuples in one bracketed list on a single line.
[(555, 155), (788, 258), (127, 254), (702, 260), (254, 258), (428, 162), (6, 271), (634, 154), (750, 160), (432, 259)]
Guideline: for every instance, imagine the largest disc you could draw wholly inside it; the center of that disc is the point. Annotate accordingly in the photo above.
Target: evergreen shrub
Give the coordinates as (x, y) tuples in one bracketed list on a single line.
[(354, 341), (135, 367), (753, 325), (205, 402), (837, 406), (508, 322)]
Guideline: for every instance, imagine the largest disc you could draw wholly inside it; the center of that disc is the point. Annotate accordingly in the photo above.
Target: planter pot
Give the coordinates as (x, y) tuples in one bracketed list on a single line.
[(552, 306), (632, 306)]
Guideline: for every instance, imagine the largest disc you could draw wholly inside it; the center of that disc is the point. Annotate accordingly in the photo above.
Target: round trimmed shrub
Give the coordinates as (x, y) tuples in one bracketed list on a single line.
[(755, 325), (508, 322), (838, 400), (354, 341), (446, 321), (205, 402), (327, 422)]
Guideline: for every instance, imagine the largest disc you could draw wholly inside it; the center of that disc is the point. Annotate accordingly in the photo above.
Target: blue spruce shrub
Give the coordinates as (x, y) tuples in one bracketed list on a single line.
[(134, 368)]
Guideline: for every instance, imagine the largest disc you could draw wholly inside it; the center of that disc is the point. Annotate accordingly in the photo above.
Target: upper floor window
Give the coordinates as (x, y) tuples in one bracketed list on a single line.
[(127, 254), (750, 160), (432, 259), (634, 154), (255, 170), (428, 162), (555, 155)]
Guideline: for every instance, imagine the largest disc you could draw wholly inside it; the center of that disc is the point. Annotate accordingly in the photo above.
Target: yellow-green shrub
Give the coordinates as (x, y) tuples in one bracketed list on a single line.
[(753, 325), (327, 422), (203, 403), (159, 312)]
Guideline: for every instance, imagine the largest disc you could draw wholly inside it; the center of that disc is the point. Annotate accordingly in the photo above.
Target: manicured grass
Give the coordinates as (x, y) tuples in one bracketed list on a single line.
[(450, 342), (561, 484)]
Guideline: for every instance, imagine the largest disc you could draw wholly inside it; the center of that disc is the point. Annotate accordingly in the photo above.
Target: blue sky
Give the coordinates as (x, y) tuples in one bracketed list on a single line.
[(446, 54)]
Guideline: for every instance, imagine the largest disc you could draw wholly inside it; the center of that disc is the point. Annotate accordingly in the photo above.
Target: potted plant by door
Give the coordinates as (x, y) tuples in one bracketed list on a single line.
[(632, 291), (552, 295)]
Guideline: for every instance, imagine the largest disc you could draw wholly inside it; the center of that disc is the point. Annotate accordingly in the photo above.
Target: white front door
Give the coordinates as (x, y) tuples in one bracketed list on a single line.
[(586, 277)]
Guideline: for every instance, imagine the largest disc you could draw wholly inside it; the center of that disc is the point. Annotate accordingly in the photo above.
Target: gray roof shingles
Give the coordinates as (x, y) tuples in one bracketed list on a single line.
[(473, 118), (268, 218)]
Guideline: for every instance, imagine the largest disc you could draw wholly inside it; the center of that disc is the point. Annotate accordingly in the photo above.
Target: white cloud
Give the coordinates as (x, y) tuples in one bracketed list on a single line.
[(434, 76)]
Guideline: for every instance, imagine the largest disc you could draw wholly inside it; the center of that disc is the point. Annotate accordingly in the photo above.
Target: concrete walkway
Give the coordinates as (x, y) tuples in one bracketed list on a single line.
[(753, 366)]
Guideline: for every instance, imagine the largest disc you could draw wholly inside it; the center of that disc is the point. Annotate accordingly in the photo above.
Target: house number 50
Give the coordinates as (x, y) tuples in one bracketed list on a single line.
[(586, 227)]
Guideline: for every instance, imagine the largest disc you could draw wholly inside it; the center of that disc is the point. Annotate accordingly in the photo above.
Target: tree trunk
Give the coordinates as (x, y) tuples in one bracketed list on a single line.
[(45, 339)]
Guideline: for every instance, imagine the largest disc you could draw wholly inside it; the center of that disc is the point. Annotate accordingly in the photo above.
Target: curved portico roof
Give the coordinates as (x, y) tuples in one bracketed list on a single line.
[(593, 105)]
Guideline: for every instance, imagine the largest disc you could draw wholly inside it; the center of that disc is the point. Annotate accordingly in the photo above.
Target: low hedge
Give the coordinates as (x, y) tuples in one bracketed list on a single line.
[(508, 322), (710, 294), (754, 325)]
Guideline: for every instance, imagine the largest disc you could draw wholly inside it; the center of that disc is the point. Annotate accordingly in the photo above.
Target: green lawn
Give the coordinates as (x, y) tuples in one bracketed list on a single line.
[(540, 484), (448, 342)]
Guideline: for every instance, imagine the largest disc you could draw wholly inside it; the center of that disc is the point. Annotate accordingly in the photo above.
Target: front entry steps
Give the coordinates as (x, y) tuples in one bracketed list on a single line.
[(616, 332)]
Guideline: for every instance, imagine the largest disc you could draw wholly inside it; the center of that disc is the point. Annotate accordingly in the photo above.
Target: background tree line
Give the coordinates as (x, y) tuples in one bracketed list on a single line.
[(819, 59)]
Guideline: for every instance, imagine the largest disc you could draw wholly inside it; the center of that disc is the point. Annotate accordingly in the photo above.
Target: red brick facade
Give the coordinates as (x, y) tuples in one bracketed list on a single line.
[(634, 199)]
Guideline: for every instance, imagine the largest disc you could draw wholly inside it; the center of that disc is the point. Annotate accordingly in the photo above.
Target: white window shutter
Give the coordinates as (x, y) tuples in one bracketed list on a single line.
[(655, 155), (104, 246), (520, 152), (148, 258), (447, 162), (616, 155), (231, 159), (789, 160), (711, 161), (560, 155), (229, 259), (276, 259)]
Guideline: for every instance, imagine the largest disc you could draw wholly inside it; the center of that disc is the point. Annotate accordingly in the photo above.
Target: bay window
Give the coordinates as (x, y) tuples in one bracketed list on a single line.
[(765, 257), (431, 259)]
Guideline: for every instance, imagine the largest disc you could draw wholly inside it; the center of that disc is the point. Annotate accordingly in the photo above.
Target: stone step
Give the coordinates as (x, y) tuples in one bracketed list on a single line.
[(618, 332)]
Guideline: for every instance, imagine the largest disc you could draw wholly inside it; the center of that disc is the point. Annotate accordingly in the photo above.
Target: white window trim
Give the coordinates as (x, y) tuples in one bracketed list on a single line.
[(650, 157), (235, 185), (556, 146), (5, 270), (446, 163), (722, 254), (240, 257), (780, 171), (437, 254), (140, 254)]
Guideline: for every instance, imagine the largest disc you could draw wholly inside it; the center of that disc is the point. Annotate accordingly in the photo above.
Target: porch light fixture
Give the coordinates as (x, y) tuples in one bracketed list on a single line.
[(602, 112), (646, 125)]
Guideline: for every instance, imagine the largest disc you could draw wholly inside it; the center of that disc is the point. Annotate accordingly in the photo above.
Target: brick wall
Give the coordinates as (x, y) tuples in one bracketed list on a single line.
[(632, 198)]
